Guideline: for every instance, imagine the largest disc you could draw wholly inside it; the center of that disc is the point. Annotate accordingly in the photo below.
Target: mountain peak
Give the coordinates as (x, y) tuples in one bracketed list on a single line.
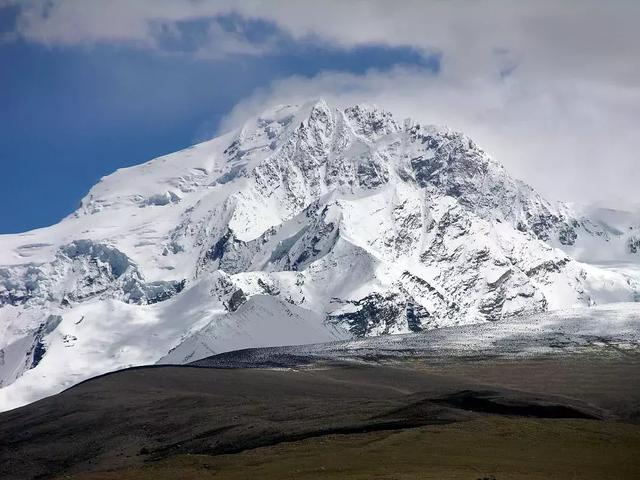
[(310, 222)]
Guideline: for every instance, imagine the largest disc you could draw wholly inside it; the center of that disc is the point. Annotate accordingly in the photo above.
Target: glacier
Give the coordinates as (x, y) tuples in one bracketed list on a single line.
[(310, 223)]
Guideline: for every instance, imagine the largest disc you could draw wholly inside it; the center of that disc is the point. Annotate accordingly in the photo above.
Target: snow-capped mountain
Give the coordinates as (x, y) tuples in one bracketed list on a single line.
[(310, 223)]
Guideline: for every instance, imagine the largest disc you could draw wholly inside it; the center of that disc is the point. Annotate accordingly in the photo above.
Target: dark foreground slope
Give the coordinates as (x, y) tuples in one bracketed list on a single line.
[(547, 417)]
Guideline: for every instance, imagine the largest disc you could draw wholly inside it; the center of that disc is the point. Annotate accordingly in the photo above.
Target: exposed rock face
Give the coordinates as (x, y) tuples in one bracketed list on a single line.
[(340, 222), (633, 244), (82, 270)]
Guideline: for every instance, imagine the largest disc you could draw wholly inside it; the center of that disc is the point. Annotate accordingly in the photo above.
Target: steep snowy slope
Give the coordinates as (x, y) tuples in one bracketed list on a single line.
[(308, 224)]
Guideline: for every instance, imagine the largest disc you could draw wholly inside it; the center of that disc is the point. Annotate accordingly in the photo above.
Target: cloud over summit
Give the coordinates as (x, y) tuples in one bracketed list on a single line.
[(551, 89)]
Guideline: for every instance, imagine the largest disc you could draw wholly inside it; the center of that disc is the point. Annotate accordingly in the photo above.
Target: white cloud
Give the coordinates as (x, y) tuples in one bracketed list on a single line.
[(573, 142), (568, 36), (565, 118)]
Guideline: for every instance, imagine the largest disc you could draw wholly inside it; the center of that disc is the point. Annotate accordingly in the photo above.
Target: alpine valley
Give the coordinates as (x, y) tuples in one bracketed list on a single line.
[(312, 223)]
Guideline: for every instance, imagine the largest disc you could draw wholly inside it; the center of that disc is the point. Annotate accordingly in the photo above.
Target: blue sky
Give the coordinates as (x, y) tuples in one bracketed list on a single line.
[(71, 114)]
